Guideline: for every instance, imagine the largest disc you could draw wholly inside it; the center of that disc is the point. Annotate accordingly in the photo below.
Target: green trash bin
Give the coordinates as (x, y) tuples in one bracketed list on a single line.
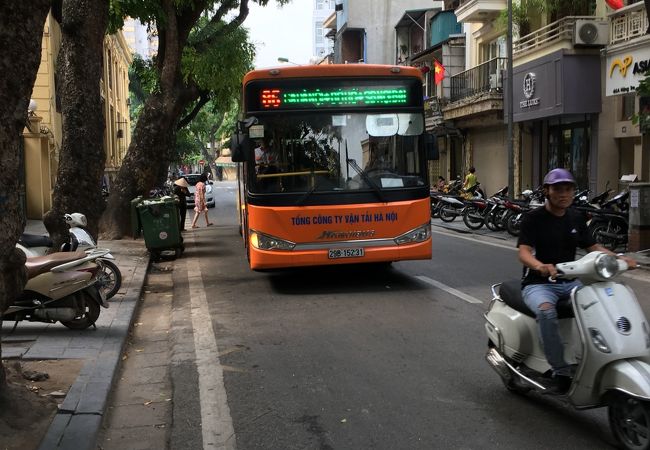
[(159, 220)]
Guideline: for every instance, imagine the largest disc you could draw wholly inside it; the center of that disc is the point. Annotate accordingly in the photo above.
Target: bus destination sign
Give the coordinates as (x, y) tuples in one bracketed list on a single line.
[(279, 98)]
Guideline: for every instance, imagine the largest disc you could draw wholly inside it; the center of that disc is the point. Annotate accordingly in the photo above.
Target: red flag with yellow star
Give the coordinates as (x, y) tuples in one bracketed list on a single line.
[(439, 72)]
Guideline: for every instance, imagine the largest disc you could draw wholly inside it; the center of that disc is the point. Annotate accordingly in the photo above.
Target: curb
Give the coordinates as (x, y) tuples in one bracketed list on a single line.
[(77, 424)]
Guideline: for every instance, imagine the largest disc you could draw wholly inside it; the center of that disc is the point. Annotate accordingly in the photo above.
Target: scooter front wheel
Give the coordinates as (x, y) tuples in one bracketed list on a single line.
[(109, 278), (629, 419)]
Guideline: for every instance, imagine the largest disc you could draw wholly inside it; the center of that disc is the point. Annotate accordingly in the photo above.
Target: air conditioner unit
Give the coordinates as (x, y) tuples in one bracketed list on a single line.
[(591, 32)]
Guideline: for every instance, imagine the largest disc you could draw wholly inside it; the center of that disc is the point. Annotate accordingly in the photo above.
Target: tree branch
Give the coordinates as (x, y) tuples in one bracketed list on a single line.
[(227, 28), (205, 98)]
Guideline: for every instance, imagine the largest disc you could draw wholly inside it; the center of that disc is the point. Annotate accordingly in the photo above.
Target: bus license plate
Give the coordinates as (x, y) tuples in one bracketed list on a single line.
[(335, 253)]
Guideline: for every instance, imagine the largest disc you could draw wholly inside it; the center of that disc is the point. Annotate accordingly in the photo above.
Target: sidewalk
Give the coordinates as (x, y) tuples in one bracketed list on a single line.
[(79, 418)]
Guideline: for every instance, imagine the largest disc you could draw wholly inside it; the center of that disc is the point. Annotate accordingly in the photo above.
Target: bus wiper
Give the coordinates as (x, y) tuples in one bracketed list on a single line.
[(307, 194), (367, 179)]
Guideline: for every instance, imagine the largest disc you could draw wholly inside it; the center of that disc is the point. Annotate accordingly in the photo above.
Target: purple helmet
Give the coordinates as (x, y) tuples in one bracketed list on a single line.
[(556, 176)]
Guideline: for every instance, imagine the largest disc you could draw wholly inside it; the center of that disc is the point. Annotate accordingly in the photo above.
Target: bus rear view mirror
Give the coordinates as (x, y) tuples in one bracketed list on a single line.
[(240, 147), (431, 147)]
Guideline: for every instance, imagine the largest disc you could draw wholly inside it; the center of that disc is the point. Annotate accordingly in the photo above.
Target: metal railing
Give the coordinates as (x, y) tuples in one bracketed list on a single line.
[(560, 30), (628, 23), (486, 77)]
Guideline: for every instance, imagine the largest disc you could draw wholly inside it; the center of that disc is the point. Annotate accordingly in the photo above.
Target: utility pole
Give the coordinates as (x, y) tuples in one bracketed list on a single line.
[(510, 103)]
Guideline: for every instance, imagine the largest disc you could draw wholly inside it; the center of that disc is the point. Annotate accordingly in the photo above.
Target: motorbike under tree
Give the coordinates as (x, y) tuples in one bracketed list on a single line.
[(61, 287), (109, 279)]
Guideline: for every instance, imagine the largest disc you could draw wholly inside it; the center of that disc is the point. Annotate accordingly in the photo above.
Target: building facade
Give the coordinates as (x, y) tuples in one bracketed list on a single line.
[(43, 135), (322, 45), (558, 108)]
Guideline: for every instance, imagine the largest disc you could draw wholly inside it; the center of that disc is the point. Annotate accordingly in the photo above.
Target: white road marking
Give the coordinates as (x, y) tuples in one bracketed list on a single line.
[(461, 295), (473, 239), (216, 424)]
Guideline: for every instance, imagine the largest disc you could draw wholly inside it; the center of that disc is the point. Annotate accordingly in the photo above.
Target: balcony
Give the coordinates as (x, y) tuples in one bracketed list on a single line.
[(483, 78), (477, 90), (552, 37), (479, 10), (628, 23)]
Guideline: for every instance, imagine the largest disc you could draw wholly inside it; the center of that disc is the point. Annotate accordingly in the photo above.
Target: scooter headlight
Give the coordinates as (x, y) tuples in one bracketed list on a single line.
[(606, 266), (599, 340), (420, 234), (267, 242)]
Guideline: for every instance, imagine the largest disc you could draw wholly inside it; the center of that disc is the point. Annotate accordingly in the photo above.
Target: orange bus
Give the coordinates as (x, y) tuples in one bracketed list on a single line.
[(333, 166)]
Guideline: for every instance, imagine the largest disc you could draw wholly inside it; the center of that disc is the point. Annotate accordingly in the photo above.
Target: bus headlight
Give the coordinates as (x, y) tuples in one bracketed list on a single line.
[(266, 242), (420, 234)]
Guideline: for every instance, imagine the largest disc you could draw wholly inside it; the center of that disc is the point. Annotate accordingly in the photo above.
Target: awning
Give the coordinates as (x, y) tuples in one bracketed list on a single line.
[(424, 56), (411, 17)]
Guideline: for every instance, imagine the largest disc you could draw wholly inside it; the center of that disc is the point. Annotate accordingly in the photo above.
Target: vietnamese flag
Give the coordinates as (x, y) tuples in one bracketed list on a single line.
[(439, 72)]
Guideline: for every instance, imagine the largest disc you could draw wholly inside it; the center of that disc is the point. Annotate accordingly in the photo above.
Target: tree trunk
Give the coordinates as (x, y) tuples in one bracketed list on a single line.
[(147, 158), (21, 31), (82, 157)]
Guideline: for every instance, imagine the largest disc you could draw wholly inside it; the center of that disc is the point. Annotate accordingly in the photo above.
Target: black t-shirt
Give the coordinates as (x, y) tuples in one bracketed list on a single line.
[(553, 239)]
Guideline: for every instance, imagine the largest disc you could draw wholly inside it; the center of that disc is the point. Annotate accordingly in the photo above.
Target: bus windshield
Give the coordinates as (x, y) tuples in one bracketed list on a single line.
[(337, 151)]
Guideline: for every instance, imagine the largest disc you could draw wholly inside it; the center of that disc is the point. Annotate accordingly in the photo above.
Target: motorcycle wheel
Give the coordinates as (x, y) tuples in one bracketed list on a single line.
[(89, 316), (109, 278), (473, 218), (447, 213), (489, 222), (606, 241), (514, 224), (629, 419)]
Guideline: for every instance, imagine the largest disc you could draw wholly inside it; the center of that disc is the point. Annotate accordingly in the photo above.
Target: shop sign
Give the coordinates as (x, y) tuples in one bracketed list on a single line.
[(625, 70), (529, 91)]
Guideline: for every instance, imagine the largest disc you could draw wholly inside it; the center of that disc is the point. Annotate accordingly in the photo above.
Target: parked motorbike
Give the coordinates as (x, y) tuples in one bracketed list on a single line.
[(606, 336), (109, 279), (450, 207), (609, 228), (61, 287)]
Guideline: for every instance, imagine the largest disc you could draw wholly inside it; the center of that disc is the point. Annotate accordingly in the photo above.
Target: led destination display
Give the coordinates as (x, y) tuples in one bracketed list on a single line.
[(332, 93), (369, 96)]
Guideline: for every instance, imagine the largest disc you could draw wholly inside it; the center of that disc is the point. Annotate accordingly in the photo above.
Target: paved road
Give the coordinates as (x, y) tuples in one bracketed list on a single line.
[(349, 357)]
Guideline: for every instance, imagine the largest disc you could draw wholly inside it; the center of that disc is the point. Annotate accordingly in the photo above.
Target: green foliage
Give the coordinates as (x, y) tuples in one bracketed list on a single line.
[(219, 68), (524, 10), (643, 92)]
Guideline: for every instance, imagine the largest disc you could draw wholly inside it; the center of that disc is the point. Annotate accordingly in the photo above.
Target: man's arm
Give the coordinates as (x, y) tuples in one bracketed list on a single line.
[(528, 259)]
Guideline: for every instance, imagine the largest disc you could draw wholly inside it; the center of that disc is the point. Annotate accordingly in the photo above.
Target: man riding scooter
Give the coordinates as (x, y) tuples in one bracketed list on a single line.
[(550, 235)]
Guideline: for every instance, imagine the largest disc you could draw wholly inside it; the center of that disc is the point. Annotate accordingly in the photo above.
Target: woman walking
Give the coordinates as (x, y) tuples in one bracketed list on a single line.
[(200, 205)]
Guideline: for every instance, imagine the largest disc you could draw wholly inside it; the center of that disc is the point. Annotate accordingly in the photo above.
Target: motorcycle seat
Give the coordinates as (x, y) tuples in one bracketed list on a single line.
[(35, 240), (41, 264), (510, 293)]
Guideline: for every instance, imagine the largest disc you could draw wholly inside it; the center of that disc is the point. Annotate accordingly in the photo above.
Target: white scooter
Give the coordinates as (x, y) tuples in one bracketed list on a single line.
[(109, 280), (62, 287), (605, 334)]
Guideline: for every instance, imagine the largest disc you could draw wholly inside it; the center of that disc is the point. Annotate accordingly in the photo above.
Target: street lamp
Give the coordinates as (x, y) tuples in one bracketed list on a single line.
[(286, 60), (509, 90)]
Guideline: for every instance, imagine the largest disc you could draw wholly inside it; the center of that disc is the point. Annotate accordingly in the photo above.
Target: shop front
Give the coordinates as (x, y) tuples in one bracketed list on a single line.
[(625, 68), (556, 102)]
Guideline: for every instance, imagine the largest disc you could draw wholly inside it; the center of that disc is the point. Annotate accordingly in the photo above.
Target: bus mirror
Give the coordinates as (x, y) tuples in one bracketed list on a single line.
[(239, 147), (431, 147)]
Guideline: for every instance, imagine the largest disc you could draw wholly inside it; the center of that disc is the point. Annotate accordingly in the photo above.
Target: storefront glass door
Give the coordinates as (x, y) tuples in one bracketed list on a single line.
[(568, 147)]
